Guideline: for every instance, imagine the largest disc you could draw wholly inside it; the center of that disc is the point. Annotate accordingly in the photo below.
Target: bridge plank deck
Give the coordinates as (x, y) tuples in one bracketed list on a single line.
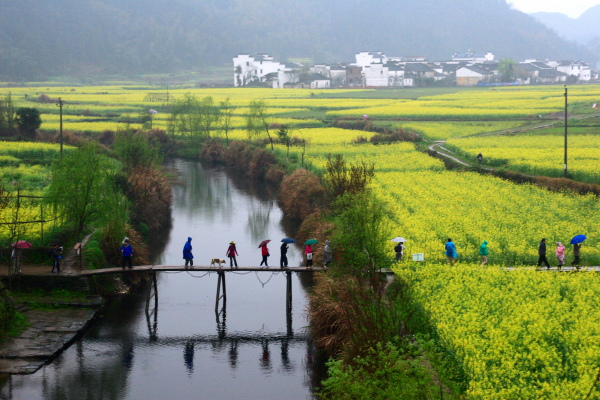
[(180, 268)]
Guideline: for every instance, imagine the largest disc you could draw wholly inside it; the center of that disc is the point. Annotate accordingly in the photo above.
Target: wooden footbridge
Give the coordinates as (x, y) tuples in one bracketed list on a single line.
[(221, 295)]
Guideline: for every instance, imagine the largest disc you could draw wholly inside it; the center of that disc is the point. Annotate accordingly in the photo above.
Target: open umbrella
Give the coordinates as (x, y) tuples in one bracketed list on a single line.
[(399, 239), (578, 239), (288, 240), (311, 242), (264, 243), (22, 244)]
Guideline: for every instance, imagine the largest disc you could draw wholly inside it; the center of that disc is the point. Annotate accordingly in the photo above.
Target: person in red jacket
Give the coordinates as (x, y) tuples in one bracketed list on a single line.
[(265, 254)]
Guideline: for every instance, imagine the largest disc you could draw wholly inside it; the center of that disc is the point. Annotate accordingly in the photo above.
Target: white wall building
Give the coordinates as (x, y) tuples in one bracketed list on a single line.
[(248, 69), (366, 58), (376, 75)]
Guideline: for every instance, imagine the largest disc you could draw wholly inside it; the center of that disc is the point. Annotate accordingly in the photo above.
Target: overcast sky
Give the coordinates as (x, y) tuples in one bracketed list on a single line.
[(572, 8)]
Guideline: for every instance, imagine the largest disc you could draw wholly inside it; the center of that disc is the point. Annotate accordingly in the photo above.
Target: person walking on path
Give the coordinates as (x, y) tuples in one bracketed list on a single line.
[(327, 254), (126, 254), (399, 249), (309, 256), (542, 253), (56, 257), (265, 255), (577, 254), (480, 158), (187, 253), (283, 261), (232, 253), (451, 253), (560, 254), (484, 252)]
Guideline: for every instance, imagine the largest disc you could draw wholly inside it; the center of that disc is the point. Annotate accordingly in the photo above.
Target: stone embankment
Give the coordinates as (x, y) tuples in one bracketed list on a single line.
[(51, 331)]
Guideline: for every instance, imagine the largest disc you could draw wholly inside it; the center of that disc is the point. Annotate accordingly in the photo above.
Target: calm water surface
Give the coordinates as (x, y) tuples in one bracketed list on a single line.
[(254, 349)]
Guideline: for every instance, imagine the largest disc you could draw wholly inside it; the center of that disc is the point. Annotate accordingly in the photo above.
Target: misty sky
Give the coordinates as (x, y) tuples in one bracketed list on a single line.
[(573, 8)]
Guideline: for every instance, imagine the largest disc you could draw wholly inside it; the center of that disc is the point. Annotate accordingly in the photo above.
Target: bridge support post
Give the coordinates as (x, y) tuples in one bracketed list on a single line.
[(152, 292), (288, 302), (221, 283)]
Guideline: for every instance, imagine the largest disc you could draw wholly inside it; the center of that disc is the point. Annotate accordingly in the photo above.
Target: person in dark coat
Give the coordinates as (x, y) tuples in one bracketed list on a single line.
[(283, 262), (577, 254), (126, 254), (399, 249), (187, 253), (542, 252), (56, 257), (232, 253)]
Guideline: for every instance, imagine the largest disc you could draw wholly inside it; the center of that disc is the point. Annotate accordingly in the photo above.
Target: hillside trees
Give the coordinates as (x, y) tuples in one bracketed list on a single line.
[(29, 120), (82, 181), (8, 116)]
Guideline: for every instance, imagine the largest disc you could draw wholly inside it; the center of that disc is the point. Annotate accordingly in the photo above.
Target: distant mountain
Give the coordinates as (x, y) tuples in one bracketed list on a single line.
[(39, 38), (582, 30)]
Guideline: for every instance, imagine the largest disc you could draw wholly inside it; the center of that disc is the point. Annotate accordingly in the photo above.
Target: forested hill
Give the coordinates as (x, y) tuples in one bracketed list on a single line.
[(585, 29), (78, 37)]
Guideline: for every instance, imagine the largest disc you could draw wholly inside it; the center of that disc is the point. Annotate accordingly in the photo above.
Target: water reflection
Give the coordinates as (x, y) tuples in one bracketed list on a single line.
[(245, 348)]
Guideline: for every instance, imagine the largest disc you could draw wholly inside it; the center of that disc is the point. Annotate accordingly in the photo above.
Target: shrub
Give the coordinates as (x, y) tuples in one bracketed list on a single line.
[(301, 194), (213, 152), (385, 372), (150, 193)]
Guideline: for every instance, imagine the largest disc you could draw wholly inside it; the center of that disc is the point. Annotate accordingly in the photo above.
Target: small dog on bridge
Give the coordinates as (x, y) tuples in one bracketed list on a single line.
[(215, 261)]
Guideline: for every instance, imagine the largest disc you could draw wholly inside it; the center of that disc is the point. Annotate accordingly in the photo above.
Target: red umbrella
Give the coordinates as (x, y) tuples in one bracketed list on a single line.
[(22, 244), (264, 243)]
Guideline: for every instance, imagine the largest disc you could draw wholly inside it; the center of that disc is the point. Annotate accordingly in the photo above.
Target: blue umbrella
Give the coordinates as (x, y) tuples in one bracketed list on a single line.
[(578, 239), (288, 240)]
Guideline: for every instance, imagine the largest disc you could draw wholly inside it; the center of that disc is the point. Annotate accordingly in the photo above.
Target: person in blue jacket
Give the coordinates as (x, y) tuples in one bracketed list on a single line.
[(126, 254), (187, 253), (451, 253)]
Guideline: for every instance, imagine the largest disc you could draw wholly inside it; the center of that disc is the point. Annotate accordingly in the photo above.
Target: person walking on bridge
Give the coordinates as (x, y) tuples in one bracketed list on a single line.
[(126, 254), (232, 253), (265, 255), (187, 253), (283, 261)]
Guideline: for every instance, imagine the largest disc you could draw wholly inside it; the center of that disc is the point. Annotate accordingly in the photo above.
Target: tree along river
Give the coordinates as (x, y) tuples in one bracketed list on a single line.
[(254, 349)]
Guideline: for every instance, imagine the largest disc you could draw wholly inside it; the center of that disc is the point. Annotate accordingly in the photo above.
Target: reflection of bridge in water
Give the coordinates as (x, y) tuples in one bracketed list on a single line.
[(223, 340)]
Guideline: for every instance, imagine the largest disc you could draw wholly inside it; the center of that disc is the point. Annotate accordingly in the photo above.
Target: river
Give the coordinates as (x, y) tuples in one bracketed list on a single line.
[(253, 349)]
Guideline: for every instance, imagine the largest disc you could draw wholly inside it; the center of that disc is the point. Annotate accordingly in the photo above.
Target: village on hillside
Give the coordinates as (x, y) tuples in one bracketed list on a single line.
[(373, 69)]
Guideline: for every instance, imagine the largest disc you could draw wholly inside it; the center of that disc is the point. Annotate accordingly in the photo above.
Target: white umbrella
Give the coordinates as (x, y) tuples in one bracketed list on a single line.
[(399, 240)]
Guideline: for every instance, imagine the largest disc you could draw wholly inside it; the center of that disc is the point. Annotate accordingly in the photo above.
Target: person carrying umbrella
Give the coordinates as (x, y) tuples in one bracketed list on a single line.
[(451, 253), (265, 253), (542, 253), (309, 252), (187, 253), (283, 260), (577, 241), (232, 253)]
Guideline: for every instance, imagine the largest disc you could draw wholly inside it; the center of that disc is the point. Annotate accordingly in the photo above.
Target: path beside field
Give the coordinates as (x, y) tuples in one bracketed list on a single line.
[(443, 152)]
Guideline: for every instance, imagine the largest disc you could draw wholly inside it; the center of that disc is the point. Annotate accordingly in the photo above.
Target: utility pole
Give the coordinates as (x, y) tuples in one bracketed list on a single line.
[(566, 134), (60, 106)]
